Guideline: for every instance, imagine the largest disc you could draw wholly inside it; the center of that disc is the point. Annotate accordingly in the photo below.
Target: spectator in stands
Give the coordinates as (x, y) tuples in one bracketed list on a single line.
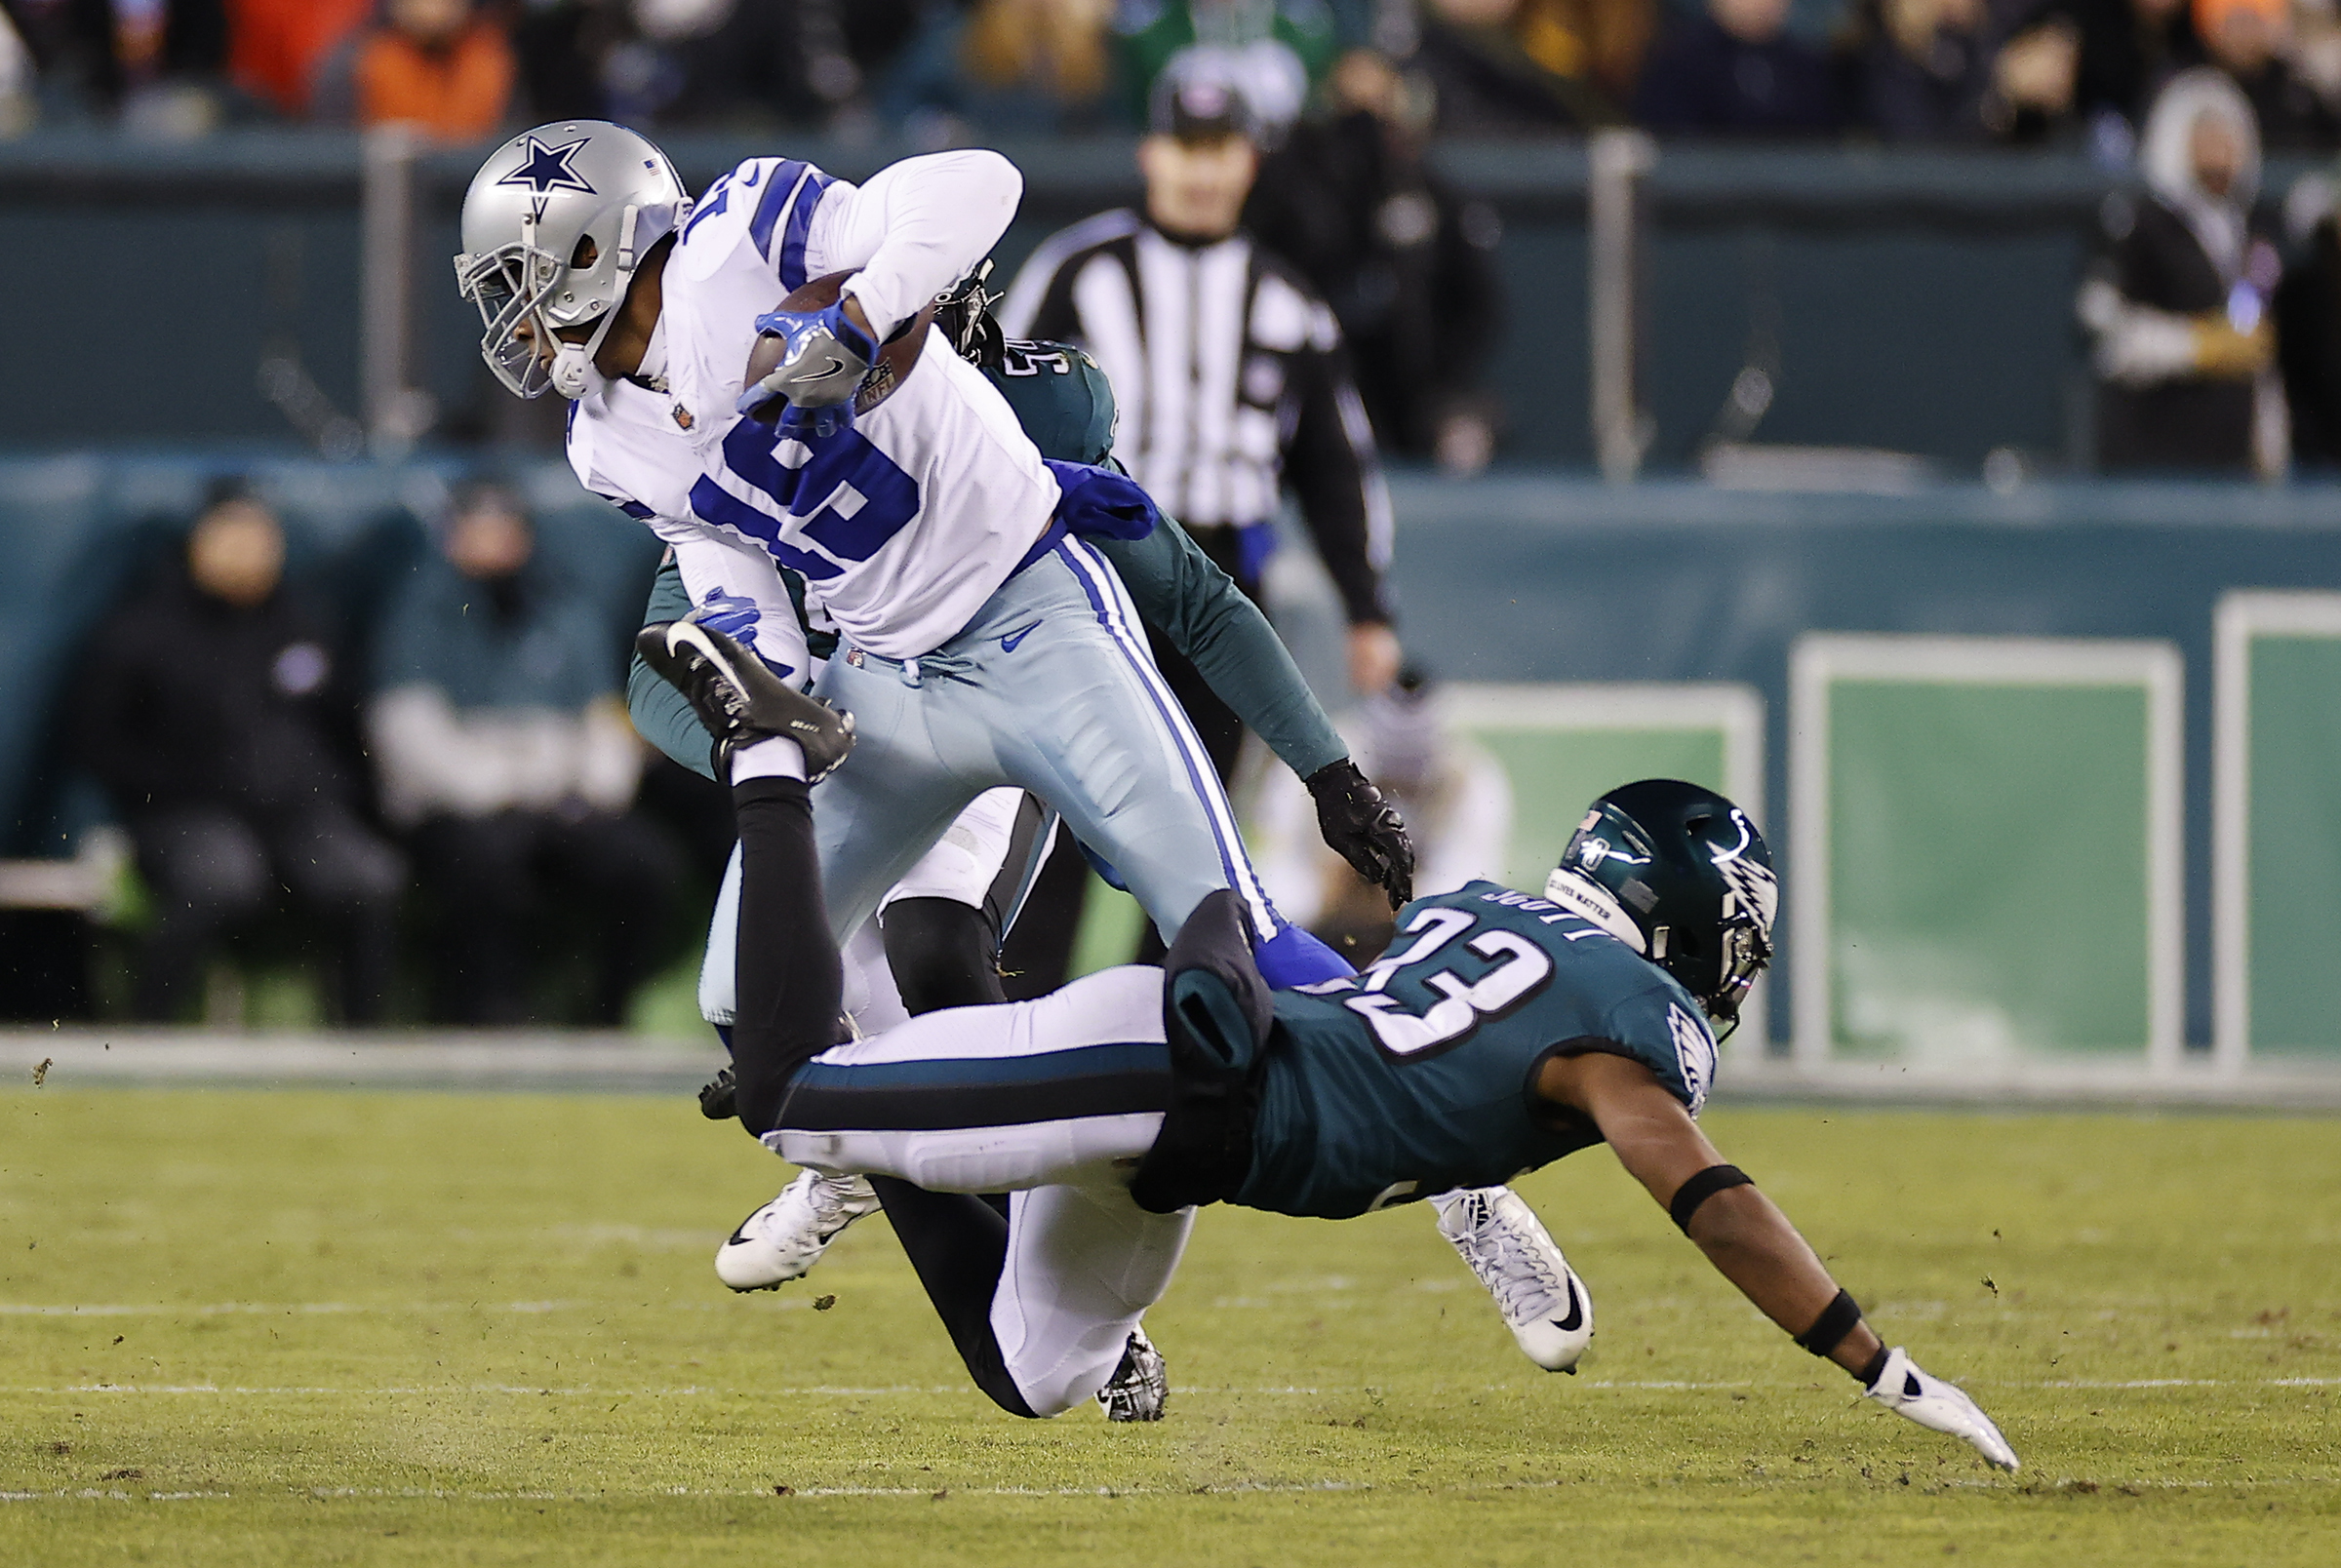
[(1514, 67), (2248, 39), (443, 65), (503, 749), (1275, 50), (159, 65), (1407, 265), (274, 46), (1034, 68), (1944, 70), (2184, 347), (2102, 60), (2308, 341), (1603, 41), (1736, 70), (208, 709)]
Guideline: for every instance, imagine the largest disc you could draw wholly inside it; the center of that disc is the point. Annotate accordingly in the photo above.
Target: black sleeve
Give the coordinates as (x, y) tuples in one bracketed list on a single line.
[(1469, 293), (1333, 474)]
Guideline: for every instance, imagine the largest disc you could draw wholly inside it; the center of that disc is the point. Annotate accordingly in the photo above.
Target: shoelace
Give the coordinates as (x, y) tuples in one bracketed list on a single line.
[(833, 1199), (1493, 1258)]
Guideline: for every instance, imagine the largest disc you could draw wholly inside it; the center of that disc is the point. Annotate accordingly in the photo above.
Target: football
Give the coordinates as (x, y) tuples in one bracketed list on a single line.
[(897, 356)]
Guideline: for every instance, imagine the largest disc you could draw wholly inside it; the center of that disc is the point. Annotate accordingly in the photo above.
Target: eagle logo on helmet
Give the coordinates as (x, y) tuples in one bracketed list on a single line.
[(547, 168)]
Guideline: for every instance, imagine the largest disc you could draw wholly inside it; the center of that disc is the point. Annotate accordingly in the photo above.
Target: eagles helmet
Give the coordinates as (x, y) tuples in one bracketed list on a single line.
[(1681, 875), (554, 224)]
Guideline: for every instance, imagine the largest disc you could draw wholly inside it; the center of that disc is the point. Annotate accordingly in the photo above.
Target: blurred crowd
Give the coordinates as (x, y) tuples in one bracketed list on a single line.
[(2079, 72), (433, 789)]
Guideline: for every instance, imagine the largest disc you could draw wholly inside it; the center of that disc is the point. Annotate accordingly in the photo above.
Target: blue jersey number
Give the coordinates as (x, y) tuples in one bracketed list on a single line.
[(842, 498)]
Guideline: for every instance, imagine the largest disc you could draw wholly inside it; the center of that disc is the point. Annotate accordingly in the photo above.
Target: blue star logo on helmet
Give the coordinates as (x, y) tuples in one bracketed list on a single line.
[(547, 168)]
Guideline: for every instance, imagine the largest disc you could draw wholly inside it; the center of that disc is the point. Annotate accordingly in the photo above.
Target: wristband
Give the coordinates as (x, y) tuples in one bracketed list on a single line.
[(1829, 1330), (1869, 1375), (1702, 1187)]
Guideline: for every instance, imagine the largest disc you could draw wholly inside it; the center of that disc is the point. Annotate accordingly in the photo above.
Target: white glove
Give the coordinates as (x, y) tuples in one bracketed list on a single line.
[(1938, 1406)]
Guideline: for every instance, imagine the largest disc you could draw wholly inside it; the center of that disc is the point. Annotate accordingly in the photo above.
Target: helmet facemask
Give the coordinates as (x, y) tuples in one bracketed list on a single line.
[(512, 285)]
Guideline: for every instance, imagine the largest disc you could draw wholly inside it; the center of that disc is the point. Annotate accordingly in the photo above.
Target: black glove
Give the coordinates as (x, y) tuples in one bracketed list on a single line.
[(719, 1097), (1364, 829)]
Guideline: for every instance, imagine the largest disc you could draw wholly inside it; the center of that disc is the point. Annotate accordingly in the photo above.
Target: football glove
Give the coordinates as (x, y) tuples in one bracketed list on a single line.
[(1938, 1406), (824, 359), (719, 1097), (1364, 829)]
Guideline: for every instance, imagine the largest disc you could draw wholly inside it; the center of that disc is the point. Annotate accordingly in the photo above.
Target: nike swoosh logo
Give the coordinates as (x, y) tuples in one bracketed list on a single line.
[(834, 367), (738, 1236), (1574, 1319), (1008, 644)]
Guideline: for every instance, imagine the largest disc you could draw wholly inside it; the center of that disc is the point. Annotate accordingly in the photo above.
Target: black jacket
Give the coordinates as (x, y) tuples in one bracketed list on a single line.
[(186, 699), (1408, 266), (1701, 80), (2191, 423), (2308, 347)]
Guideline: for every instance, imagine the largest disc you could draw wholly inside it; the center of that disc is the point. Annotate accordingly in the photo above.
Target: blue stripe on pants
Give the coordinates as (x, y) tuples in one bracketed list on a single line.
[(1105, 597)]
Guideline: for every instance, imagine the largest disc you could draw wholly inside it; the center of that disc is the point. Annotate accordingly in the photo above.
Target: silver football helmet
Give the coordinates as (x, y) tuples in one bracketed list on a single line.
[(527, 218)]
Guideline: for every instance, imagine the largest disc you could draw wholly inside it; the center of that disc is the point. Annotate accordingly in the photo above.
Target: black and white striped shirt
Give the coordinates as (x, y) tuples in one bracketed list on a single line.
[(1231, 381)]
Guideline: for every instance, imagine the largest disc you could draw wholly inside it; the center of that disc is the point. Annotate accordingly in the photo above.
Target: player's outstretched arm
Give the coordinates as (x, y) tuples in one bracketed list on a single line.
[(1751, 1242)]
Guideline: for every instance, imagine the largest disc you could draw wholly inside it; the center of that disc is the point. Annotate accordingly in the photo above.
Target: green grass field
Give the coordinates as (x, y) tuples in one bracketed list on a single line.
[(324, 1328)]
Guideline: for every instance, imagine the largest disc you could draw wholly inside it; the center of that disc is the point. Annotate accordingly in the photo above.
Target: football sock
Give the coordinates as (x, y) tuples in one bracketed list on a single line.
[(791, 984), (773, 757), (941, 950)]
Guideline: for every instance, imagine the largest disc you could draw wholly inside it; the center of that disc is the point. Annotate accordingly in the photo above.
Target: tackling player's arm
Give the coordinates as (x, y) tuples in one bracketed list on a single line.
[(1209, 619), (1749, 1240)]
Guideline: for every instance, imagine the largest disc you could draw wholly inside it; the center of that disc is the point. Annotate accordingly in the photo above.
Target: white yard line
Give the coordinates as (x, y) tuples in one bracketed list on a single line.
[(961, 1390)]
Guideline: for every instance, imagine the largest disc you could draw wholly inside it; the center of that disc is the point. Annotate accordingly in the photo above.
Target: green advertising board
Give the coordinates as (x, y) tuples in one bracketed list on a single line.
[(2277, 834), (1985, 870)]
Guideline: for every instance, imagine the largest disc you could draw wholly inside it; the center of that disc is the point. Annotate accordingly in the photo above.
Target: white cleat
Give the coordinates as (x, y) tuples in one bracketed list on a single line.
[(1542, 1297), (1140, 1386), (783, 1239)]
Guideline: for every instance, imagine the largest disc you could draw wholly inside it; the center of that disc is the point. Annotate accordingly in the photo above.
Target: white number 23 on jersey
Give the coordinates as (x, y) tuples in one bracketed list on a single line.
[(1523, 970)]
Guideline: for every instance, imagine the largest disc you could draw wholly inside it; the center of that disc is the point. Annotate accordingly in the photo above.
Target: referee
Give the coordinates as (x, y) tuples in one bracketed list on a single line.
[(1229, 373)]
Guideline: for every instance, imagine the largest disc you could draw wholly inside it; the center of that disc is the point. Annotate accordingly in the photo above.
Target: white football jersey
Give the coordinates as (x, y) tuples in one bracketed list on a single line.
[(902, 526)]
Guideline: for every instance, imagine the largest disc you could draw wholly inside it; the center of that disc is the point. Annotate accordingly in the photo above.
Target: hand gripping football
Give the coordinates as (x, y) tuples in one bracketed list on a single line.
[(770, 362)]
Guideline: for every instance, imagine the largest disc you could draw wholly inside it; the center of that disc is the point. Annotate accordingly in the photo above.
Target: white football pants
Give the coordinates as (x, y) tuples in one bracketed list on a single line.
[(1053, 1101)]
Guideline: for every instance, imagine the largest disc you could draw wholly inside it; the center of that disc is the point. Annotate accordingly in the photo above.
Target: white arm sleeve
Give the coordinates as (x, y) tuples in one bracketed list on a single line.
[(430, 761), (915, 229), (2137, 346), (736, 586)]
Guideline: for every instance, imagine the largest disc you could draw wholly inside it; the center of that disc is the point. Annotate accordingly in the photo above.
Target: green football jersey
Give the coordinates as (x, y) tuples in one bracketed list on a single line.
[(1414, 1078)]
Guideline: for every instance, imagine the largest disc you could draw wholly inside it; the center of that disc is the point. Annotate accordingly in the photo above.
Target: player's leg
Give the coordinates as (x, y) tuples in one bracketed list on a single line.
[(1057, 693), (1061, 1095), (1070, 1087), (1084, 1264), (894, 799), (939, 934), (943, 922)]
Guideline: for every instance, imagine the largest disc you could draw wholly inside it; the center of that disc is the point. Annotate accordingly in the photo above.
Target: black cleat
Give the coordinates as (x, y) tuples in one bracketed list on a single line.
[(740, 700)]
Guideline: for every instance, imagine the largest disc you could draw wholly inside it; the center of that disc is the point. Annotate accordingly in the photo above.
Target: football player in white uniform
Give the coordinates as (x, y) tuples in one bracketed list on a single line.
[(983, 643)]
